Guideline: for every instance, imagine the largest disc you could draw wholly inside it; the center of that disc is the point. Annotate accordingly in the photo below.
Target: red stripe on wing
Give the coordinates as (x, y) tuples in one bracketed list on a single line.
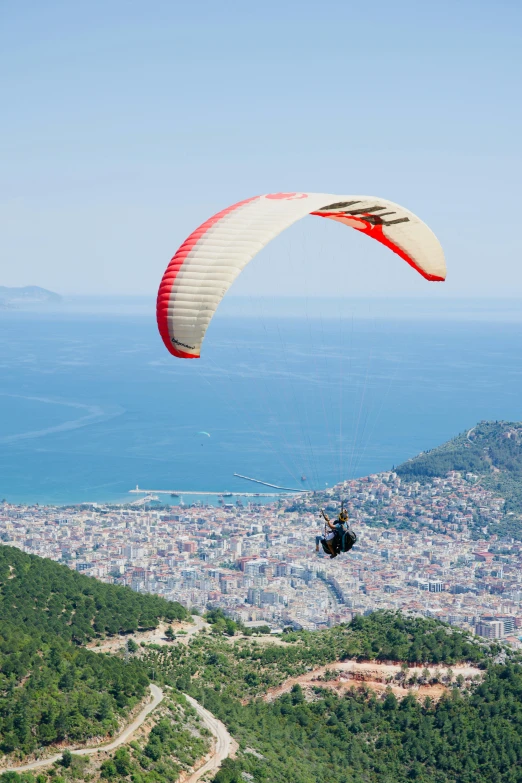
[(377, 232), (169, 278)]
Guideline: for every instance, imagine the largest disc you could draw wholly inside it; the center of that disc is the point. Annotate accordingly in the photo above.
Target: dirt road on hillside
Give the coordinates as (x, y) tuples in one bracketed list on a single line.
[(225, 745), (126, 734)]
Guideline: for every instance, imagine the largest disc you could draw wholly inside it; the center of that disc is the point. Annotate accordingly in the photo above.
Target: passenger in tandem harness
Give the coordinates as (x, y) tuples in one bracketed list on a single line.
[(339, 538)]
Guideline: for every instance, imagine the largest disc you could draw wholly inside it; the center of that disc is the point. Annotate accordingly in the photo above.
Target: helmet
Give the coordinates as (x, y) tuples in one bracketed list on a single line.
[(343, 515)]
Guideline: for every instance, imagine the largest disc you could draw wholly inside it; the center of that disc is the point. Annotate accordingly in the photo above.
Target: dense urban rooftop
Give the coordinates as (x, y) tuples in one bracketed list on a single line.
[(417, 551)]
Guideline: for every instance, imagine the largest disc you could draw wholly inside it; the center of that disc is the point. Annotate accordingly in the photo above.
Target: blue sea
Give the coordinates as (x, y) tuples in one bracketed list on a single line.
[(91, 404)]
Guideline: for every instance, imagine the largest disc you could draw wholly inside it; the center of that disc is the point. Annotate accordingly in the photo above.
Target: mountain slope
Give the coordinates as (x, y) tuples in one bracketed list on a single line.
[(48, 598), (486, 457), (343, 734), (492, 451), (488, 448), (51, 688), (356, 738)]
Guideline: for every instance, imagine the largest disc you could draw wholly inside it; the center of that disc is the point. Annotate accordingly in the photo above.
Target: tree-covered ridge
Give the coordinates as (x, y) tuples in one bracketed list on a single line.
[(39, 594), (397, 637), (472, 734), (58, 692), (492, 452), (176, 741), (487, 448), (486, 457), (354, 738), (246, 668), (51, 689), (359, 738)]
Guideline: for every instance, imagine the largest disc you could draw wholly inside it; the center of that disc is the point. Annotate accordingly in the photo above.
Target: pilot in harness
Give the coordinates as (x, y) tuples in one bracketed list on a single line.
[(337, 536)]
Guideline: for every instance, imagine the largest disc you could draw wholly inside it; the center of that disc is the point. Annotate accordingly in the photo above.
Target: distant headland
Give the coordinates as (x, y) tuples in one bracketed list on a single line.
[(26, 296)]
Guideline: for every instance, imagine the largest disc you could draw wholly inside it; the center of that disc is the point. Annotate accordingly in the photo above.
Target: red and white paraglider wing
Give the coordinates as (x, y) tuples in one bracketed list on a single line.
[(210, 259)]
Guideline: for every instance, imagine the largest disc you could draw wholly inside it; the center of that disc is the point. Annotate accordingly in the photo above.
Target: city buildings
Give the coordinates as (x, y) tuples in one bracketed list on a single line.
[(417, 551)]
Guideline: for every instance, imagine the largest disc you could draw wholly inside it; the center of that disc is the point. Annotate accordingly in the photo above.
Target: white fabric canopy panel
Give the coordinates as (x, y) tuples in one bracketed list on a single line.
[(211, 258)]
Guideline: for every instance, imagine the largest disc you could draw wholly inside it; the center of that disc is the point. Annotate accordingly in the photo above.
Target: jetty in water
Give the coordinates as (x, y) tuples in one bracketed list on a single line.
[(274, 486), (223, 494)]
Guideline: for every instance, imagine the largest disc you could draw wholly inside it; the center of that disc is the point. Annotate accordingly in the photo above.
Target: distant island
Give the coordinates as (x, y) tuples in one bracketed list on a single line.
[(26, 296)]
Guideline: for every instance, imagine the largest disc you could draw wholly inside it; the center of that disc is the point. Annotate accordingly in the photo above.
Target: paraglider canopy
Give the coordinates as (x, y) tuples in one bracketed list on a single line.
[(208, 262), (202, 432)]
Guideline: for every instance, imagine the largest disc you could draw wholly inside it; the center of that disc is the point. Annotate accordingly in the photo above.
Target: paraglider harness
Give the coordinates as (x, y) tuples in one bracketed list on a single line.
[(344, 538)]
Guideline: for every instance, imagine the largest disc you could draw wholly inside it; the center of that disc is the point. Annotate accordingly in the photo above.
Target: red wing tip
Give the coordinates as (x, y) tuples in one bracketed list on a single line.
[(183, 355), (179, 354)]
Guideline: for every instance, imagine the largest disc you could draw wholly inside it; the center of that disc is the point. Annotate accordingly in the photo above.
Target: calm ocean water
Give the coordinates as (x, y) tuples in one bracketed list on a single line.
[(91, 404)]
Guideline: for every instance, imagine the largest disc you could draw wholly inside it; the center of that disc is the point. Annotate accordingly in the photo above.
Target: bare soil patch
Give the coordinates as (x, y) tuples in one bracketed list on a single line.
[(115, 644), (263, 641), (343, 675)]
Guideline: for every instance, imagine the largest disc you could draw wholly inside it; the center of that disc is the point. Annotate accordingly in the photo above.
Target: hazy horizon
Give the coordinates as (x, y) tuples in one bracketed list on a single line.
[(357, 308)]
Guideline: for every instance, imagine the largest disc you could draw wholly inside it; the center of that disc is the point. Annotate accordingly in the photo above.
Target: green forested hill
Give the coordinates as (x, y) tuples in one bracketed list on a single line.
[(53, 600), (51, 688), (473, 735), (492, 450), (248, 669), (488, 447), (360, 738)]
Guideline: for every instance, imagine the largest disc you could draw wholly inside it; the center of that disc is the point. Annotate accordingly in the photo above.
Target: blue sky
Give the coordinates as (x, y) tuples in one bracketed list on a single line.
[(126, 124)]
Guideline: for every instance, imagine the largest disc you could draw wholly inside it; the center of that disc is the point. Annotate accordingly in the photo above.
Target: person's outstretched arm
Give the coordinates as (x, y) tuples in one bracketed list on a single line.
[(327, 520)]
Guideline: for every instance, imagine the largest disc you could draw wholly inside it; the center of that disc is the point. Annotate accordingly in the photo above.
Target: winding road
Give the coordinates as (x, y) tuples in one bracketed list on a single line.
[(224, 742), (128, 731)]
